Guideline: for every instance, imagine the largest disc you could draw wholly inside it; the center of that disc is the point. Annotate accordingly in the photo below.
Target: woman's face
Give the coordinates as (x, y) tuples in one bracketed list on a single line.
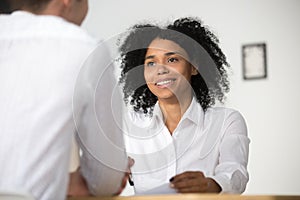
[(167, 70)]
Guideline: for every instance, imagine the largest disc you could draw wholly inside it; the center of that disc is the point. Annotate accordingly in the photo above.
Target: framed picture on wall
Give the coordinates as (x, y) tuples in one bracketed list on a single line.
[(254, 61)]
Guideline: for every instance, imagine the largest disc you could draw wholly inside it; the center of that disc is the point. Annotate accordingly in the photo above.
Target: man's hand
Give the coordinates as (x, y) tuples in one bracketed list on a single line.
[(77, 185), (192, 182), (126, 176)]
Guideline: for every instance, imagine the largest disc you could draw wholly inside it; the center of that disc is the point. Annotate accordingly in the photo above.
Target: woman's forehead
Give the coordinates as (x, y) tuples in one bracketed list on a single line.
[(165, 46)]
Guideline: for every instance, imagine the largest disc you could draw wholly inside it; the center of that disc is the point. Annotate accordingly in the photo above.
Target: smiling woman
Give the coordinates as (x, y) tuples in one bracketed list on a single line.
[(172, 77), (201, 49), (168, 73)]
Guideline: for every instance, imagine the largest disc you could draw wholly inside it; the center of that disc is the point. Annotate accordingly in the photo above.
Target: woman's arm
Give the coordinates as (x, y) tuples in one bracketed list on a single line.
[(231, 172)]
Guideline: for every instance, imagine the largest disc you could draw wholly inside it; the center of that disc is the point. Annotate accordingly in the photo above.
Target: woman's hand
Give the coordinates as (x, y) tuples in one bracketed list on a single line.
[(193, 182)]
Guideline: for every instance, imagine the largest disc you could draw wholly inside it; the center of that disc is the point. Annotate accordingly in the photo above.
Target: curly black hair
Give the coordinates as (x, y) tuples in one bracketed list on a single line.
[(209, 85)]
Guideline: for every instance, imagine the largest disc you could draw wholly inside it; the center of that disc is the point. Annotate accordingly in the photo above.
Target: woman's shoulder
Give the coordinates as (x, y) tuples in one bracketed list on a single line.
[(224, 112), (222, 109), (231, 119), (139, 119)]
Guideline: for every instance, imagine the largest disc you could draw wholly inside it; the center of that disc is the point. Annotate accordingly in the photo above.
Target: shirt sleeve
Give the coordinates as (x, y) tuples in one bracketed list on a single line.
[(98, 118), (231, 172)]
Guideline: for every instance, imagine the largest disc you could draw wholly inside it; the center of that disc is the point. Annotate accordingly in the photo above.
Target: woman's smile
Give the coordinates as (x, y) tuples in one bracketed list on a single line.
[(167, 70), (164, 83)]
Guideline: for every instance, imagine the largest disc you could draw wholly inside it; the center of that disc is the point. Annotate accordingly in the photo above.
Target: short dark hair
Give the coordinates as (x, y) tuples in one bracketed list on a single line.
[(4, 7), (32, 5), (210, 84), (8, 6)]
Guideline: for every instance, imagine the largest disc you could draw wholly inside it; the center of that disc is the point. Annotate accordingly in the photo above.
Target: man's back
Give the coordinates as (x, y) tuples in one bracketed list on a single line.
[(40, 57)]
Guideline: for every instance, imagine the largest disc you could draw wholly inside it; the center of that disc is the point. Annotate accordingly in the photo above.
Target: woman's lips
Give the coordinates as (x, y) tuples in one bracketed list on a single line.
[(165, 82)]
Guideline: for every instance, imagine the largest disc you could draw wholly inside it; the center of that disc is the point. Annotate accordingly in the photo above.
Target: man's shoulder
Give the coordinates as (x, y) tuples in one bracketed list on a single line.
[(60, 28), (24, 24), (68, 30)]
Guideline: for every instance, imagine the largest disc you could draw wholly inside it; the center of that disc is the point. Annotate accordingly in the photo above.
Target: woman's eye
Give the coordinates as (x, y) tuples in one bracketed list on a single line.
[(172, 60), (150, 64)]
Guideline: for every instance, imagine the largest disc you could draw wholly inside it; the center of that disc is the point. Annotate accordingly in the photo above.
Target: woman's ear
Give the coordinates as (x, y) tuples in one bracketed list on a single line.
[(194, 70)]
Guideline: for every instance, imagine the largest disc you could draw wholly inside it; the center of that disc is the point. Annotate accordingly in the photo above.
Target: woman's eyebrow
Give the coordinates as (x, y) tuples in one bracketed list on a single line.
[(150, 57), (171, 53), (166, 54)]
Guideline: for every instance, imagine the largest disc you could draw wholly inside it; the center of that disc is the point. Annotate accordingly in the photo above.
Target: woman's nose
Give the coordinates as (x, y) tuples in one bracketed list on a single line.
[(162, 69)]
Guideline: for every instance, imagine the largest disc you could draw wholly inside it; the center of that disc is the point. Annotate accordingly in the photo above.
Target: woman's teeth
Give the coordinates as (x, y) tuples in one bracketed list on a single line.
[(166, 82)]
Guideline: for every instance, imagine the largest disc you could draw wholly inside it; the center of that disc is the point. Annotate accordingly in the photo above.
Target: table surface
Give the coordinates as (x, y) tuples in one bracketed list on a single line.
[(193, 197)]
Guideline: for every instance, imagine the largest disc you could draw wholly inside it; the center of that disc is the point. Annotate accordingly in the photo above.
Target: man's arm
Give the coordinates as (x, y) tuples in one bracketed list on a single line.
[(98, 117), (77, 185)]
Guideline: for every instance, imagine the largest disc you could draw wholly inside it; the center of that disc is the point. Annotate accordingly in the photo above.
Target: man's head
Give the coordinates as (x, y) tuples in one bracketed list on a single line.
[(72, 10)]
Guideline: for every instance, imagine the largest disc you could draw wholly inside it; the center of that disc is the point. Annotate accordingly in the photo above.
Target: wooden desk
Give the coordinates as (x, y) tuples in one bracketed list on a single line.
[(192, 197)]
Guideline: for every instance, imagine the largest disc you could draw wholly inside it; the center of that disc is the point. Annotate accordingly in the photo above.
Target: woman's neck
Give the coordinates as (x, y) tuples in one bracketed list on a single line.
[(173, 111)]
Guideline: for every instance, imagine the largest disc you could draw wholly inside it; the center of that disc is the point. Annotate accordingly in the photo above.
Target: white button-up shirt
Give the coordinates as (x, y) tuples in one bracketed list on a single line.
[(40, 59), (214, 142)]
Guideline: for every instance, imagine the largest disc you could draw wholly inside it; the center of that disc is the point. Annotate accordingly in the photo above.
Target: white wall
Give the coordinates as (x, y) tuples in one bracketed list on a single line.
[(270, 106)]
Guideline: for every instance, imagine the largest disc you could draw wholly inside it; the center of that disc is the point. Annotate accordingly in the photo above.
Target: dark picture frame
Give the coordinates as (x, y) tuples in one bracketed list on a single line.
[(254, 61)]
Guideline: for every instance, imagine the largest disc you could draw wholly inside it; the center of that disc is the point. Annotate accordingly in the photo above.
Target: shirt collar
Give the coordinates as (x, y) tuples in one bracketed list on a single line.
[(194, 113)]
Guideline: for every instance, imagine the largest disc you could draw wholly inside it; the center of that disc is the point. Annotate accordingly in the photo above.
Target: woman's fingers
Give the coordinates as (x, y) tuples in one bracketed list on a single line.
[(190, 182), (186, 175)]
